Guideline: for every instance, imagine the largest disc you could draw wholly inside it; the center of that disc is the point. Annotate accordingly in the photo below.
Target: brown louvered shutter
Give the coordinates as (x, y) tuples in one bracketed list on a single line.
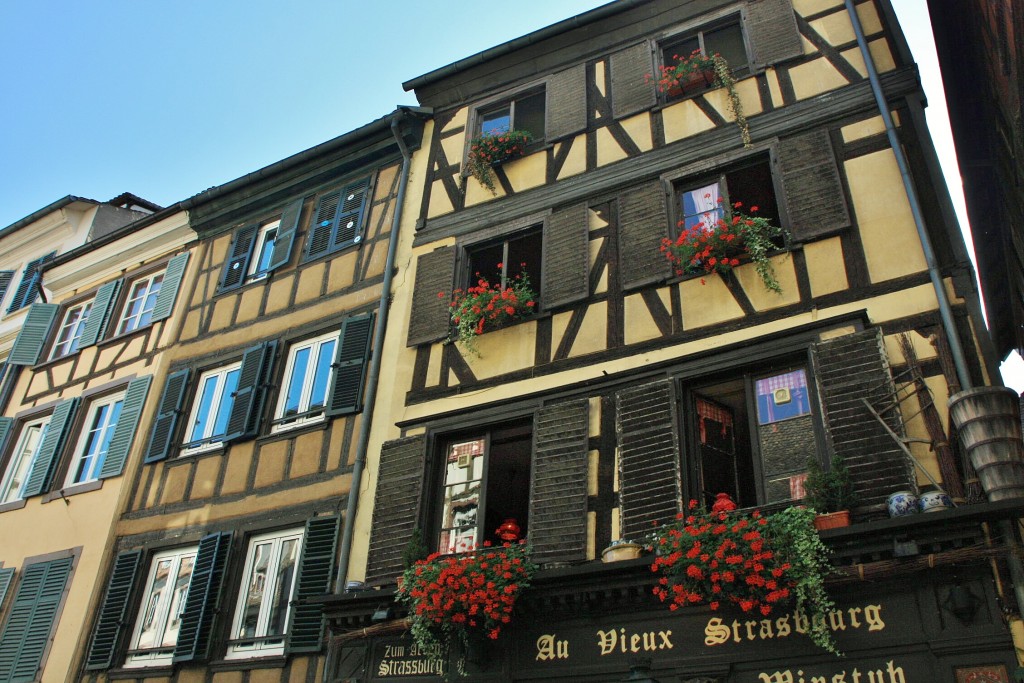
[(650, 485), (566, 257), (558, 485), (772, 30), (567, 102), (633, 84), (396, 506), (815, 202), (238, 257), (643, 223), (429, 318), (848, 369)]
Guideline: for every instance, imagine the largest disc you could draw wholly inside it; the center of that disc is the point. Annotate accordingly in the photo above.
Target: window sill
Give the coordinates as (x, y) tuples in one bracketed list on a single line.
[(183, 457), (288, 431), (249, 282), (136, 672), (73, 490), (254, 662), (122, 336), (13, 505)]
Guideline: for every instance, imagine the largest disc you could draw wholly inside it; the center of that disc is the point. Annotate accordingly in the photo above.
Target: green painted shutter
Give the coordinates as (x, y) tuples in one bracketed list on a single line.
[(99, 314), (168, 411), (318, 242), (396, 506), (243, 421), (566, 257), (6, 576), (772, 31), (124, 430), (33, 334), (49, 451), (632, 91), (346, 395), (286, 231), (643, 223), (112, 622), (26, 292), (430, 319), (815, 201), (238, 257), (169, 288), (349, 225), (558, 482), (31, 619), (316, 574), (202, 603), (5, 282)]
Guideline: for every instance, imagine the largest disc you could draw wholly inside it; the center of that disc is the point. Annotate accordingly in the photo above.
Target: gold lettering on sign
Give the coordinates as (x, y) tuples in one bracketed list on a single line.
[(719, 632), (891, 674), (647, 641), (549, 647)]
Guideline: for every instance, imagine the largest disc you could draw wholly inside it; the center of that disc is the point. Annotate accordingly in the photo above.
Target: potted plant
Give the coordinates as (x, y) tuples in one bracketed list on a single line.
[(494, 148), (415, 550), (490, 306), (829, 493), (703, 70), (464, 597), (621, 549), (723, 240), (754, 562)]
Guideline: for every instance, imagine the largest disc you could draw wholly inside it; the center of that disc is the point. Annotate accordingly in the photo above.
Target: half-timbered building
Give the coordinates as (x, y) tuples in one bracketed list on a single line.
[(631, 388)]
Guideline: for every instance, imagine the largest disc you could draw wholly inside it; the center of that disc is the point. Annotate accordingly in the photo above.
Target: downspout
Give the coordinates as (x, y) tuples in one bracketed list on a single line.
[(915, 207), (375, 363)]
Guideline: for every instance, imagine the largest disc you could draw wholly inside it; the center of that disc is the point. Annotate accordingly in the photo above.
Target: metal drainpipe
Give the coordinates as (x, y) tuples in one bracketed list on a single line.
[(915, 207), (375, 363)]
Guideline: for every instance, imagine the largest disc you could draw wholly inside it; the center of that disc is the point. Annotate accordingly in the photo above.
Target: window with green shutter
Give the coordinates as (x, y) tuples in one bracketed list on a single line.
[(257, 249), (28, 346), (338, 220), (203, 598), (112, 619), (28, 289), (30, 621), (50, 448), (169, 409)]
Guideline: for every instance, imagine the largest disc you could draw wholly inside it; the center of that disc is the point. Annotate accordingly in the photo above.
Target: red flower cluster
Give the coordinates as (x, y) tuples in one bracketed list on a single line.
[(473, 591), (720, 557), (490, 305), (487, 150), (696, 68)]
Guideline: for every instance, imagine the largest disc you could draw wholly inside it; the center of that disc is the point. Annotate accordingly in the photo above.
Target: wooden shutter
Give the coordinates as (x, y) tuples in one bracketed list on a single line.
[(286, 235), (318, 242), (566, 103), (315, 579), (5, 430), (430, 320), (127, 423), (169, 287), (566, 257), (633, 82), (171, 402), (243, 421), (772, 31), (848, 369), (5, 282), (99, 314), (26, 292), (643, 224), (650, 486), (202, 603), (396, 506), (112, 622), (6, 576), (815, 203), (350, 215), (353, 352), (33, 334), (31, 619), (558, 483), (239, 254), (50, 449)]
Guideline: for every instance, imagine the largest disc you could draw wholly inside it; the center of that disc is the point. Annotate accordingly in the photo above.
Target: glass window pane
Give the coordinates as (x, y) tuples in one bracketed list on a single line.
[(728, 42), (113, 412), (227, 399), (285, 579), (322, 376), (149, 634), (295, 382), (266, 252), (253, 596), (497, 121), (177, 600), (701, 207), (203, 417), (529, 114)]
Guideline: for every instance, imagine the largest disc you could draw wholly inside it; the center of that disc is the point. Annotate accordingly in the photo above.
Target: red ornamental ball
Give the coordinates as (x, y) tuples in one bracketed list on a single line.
[(508, 531), (723, 503)]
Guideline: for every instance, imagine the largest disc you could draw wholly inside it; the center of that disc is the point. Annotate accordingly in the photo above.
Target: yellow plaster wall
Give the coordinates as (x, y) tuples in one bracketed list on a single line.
[(501, 351), (527, 172), (638, 128), (835, 28), (749, 99), (608, 150), (815, 77), (454, 148), (311, 280), (639, 325), (886, 224), (707, 301), (774, 87), (576, 161), (763, 299), (684, 119), (808, 7), (863, 129), (593, 332), (825, 266)]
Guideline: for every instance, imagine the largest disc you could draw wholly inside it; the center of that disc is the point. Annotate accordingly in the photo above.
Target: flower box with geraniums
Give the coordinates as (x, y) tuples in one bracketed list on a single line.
[(756, 563), (465, 597), (698, 71), (721, 241), (488, 306), (494, 148)]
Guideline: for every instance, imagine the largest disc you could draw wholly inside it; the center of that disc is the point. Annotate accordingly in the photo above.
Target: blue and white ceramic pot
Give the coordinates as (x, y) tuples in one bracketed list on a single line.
[(933, 501), (902, 503)]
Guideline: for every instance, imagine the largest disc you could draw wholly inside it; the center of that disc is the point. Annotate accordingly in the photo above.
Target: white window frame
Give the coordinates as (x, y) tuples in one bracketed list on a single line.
[(261, 245), (150, 288), (105, 431), (161, 608), (70, 331), (201, 445), (21, 460), (308, 380), (258, 645)]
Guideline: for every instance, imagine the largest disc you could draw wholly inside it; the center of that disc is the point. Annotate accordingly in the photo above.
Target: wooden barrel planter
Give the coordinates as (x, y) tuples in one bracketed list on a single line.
[(989, 428)]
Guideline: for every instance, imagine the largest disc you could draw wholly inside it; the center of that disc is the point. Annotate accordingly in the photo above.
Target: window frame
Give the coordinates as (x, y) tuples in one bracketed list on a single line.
[(124, 313), (75, 336), (304, 416), (209, 441), (697, 30), (84, 438), (261, 251), (260, 644), (499, 101), (24, 461), (136, 657), (466, 273)]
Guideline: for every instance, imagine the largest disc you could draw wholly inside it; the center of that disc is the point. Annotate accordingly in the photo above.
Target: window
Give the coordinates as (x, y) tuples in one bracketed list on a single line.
[(261, 617), (263, 252), (28, 289), (500, 262), (20, 463), (486, 481), (211, 408), (33, 613), (70, 331), (724, 38), (307, 378), (163, 601), (705, 201), (338, 220), (525, 111), (93, 444), (138, 308)]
